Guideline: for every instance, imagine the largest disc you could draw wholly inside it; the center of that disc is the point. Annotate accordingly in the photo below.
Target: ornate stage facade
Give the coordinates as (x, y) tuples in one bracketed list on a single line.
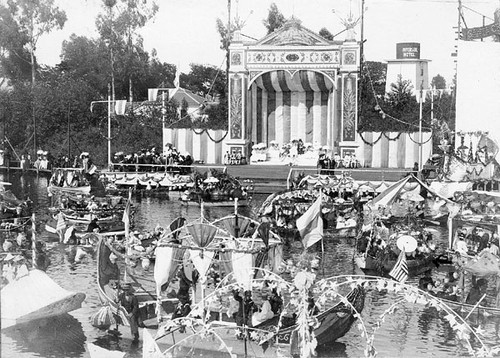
[(293, 95), (292, 85)]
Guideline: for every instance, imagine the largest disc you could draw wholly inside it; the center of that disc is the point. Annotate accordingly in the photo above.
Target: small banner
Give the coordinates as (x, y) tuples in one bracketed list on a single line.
[(120, 107)]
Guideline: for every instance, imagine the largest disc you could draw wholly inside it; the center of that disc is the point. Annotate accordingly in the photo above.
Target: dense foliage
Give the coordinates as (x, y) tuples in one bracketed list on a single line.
[(114, 64)]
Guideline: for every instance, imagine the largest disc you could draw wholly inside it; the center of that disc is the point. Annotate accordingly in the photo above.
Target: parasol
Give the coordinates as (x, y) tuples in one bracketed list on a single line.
[(406, 243), (211, 180)]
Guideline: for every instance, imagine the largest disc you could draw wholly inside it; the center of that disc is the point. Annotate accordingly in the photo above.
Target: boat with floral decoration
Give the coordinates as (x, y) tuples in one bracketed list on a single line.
[(118, 183), (225, 261), (73, 181), (340, 206), (217, 188), (378, 247)]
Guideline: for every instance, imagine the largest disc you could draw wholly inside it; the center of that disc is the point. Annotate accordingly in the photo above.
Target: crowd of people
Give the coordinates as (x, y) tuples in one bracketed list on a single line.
[(149, 160), (327, 164)]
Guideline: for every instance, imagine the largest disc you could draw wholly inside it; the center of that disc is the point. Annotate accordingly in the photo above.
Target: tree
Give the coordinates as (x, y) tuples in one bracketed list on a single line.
[(35, 18), (372, 91), (438, 82), (14, 56), (86, 58), (275, 19), (403, 106), (326, 34)]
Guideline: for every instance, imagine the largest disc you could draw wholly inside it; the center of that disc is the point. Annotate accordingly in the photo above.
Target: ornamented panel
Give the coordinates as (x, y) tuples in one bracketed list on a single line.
[(292, 57), (349, 58), (236, 107), (349, 108), (236, 58)]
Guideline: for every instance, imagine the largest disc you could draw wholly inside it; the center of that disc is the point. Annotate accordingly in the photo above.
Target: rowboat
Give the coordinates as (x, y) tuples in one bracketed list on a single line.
[(332, 324), (416, 266)]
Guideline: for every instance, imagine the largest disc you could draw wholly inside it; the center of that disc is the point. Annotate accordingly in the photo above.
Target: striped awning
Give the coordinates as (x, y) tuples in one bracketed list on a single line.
[(301, 81)]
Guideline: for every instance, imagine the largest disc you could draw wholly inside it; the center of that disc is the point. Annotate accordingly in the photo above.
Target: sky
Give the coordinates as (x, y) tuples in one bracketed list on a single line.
[(184, 31)]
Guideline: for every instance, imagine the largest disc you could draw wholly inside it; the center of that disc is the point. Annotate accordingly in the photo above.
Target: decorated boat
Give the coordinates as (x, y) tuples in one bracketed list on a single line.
[(10, 205), (217, 188), (340, 205), (110, 285), (120, 183), (71, 181), (378, 247)]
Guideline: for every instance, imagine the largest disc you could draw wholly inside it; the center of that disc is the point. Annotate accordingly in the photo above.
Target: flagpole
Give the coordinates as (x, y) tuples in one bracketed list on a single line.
[(109, 128)]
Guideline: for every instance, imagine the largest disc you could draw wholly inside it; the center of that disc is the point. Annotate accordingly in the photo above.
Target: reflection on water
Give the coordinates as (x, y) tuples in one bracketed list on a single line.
[(61, 336), (411, 331)]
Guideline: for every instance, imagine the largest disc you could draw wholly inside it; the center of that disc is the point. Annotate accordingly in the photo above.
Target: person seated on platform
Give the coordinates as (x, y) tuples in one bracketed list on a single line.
[(493, 246), (424, 281), (461, 245), (477, 291), (276, 301), (484, 239), (264, 312), (245, 309), (93, 226), (312, 307)]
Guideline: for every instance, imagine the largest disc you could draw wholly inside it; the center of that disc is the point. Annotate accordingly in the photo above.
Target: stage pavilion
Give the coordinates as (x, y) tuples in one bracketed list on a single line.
[(292, 85)]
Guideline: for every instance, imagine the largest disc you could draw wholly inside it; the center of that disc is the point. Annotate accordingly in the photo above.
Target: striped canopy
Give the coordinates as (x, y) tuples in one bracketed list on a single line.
[(300, 81)]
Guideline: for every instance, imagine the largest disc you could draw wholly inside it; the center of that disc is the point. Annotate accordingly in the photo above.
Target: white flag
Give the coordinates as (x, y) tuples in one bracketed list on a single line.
[(177, 81), (310, 224), (152, 94), (120, 107)]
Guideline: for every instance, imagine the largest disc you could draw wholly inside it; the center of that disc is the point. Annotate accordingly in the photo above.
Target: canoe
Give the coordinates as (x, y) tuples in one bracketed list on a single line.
[(333, 324), (58, 190), (36, 296), (415, 266)]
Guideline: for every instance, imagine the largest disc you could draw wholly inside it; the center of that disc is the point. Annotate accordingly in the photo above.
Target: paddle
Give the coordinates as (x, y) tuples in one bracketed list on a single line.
[(475, 306)]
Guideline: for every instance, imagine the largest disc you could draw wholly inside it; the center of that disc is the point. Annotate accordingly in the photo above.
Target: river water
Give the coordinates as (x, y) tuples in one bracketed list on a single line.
[(412, 330)]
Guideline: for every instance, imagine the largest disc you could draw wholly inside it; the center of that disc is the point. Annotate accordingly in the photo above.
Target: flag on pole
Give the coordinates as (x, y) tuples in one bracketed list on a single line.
[(152, 94), (120, 107), (400, 270), (310, 224)]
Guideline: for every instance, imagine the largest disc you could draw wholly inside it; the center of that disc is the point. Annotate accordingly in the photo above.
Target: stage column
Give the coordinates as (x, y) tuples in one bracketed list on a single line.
[(237, 139)]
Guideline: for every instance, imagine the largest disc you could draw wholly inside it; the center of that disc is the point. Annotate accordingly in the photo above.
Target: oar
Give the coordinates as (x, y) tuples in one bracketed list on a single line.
[(475, 306)]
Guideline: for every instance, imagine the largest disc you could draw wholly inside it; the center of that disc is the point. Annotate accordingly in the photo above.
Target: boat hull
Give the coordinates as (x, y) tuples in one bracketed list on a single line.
[(36, 296)]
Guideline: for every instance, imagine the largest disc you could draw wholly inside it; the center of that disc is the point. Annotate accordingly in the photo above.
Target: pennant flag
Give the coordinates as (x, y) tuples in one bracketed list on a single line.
[(310, 224), (177, 81), (126, 215), (150, 348), (400, 270), (120, 107), (152, 94)]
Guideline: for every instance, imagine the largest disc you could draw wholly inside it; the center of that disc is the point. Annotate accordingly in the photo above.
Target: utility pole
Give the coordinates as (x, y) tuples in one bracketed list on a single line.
[(420, 154)]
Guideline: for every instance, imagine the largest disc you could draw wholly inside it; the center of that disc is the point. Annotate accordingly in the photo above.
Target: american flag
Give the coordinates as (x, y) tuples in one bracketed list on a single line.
[(400, 270)]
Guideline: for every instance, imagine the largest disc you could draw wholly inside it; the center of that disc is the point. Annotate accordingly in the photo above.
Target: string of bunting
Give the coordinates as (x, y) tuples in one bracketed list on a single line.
[(379, 108), (209, 136), (417, 142), (371, 144), (188, 247)]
